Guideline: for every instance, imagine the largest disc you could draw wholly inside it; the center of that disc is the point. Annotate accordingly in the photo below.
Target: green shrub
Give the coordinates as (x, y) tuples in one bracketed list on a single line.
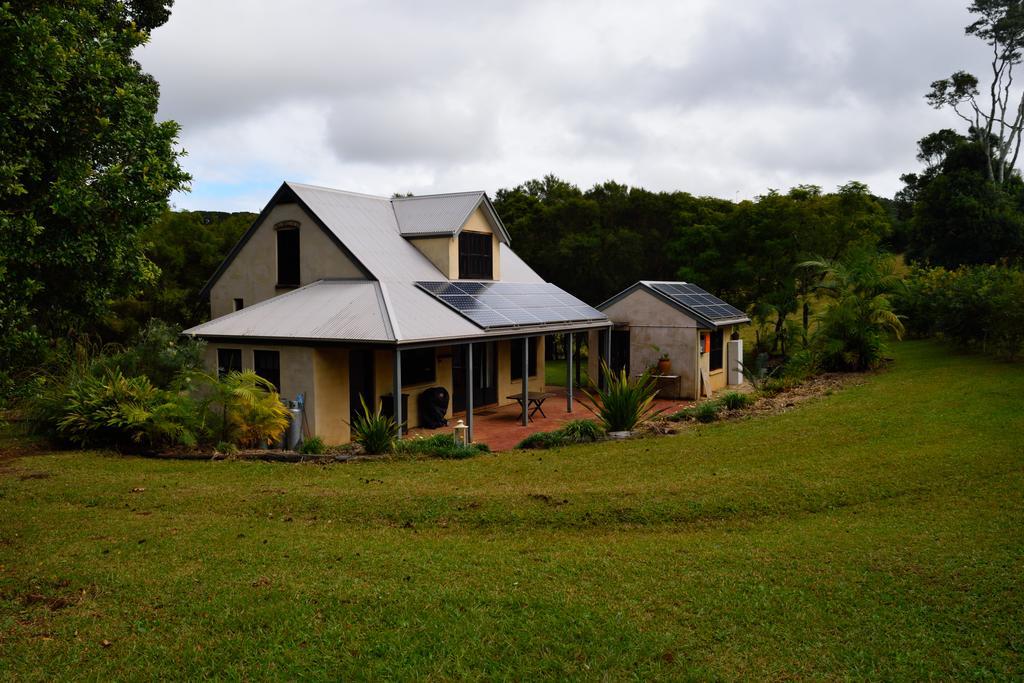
[(439, 446), (542, 440), (314, 445), (734, 400), (802, 365), (581, 431), (126, 412), (975, 307), (853, 327), (244, 408), (226, 448), (374, 431), (159, 353), (706, 411), (623, 402)]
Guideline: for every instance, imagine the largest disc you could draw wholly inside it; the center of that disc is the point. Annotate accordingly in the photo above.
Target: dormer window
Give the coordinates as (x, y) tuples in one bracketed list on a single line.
[(475, 256), (288, 254)]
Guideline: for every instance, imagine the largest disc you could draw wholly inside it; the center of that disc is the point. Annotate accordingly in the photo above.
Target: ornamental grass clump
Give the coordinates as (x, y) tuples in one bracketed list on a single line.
[(622, 403), (374, 431), (734, 400)]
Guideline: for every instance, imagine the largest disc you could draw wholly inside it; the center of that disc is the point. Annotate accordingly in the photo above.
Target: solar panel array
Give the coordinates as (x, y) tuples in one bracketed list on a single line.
[(700, 302), (511, 304)]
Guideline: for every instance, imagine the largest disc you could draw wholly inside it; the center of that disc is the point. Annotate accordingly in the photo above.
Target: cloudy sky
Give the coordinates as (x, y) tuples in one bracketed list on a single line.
[(717, 98)]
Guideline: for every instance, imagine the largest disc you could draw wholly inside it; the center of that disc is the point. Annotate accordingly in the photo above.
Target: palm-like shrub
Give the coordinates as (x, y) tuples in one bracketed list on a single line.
[(852, 330), (245, 407), (114, 410), (623, 402), (374, 431)]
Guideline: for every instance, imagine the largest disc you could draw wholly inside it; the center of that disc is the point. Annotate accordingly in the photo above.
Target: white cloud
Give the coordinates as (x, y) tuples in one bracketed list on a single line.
[(728, 99)]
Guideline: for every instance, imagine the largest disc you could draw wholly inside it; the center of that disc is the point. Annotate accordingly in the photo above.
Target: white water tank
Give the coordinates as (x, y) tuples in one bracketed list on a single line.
[(734, 373)]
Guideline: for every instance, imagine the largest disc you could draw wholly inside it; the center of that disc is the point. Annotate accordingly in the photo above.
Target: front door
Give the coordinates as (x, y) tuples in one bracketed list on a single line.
[(485, 376), (360, 381)]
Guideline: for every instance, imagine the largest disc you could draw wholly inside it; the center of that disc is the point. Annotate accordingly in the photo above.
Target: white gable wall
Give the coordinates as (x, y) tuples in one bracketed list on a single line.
[(252, 275)]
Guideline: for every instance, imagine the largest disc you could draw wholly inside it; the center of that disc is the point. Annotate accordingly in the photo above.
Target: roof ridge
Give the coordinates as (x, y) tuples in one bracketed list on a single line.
[(338, 191), (439, 194)]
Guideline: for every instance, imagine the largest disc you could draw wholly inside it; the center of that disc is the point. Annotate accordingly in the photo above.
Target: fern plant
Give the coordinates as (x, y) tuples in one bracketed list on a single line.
[(623, 402)]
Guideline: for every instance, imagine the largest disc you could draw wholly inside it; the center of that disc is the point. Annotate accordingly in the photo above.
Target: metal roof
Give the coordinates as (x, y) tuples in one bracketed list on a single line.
[(350, 310), (442, 214), (386, 307), (707, 309)]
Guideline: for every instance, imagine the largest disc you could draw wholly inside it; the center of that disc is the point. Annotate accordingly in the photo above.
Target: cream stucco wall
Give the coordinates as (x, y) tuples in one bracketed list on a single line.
[(384, 364), (252, 275), (443, 252), (652, 322), (331, 409), (506, 385)]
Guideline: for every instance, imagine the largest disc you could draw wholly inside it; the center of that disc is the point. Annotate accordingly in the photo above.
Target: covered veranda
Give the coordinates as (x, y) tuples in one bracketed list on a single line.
[(556, 400), (501, 427)]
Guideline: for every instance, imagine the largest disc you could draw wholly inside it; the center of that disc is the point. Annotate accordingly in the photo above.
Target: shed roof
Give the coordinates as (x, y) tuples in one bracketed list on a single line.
[(707, 309)]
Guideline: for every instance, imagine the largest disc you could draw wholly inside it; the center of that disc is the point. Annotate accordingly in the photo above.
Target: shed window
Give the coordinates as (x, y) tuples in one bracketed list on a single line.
[(267, 365), (517, 358), (228, 360), (716, 361), (288, 257), (475, 257), (418, 366)]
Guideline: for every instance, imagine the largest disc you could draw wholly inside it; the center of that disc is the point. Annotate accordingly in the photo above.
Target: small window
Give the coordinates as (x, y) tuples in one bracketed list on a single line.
[(475, 256), (715, 362), (288, 257), (267, 365), (228, 360), (239, 304), (418, 366), (517, 358)]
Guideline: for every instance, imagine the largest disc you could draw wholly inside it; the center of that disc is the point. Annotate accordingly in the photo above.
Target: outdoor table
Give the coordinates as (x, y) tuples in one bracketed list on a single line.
[(534, 400)]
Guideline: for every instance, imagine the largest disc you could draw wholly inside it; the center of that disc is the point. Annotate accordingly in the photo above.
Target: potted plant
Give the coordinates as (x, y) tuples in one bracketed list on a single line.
[(664, 366)]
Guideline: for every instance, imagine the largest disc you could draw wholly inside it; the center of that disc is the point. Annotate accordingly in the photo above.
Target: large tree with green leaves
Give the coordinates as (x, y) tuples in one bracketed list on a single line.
[(84, 164), (993, 110)]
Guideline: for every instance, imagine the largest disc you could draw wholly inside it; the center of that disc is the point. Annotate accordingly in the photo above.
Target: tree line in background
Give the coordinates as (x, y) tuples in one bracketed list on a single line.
[(90, 250)]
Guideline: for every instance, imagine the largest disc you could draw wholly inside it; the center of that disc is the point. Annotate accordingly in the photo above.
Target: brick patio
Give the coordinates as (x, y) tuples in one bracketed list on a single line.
[(501, 429)]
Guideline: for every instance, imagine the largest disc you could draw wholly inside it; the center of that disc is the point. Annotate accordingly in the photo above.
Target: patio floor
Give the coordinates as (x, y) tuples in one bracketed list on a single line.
[(501, 429)]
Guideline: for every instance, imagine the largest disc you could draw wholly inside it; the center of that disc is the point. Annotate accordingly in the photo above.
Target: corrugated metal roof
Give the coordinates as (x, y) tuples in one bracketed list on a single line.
[(711, 319), (349, 310), (435, 214), (366, 225), (390, 309)]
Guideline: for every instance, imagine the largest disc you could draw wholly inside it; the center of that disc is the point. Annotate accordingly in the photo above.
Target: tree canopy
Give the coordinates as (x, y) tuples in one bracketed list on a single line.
[(85, 166)]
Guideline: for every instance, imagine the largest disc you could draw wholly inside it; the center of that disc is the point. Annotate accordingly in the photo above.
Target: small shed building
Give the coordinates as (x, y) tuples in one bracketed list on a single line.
[(683, 322)]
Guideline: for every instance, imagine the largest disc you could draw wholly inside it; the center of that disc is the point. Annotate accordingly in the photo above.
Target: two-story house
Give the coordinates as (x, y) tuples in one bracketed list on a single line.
[(336, 295)]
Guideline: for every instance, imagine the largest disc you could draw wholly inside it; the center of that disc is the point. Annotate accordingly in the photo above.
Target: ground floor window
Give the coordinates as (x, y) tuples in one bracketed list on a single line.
[(716, 361), (228, 360), (267, 365), (419, 366), (517, 358)]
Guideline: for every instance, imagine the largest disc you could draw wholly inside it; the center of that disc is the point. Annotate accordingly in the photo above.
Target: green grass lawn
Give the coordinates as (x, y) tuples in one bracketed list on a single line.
[(875, 533), (554, 373)]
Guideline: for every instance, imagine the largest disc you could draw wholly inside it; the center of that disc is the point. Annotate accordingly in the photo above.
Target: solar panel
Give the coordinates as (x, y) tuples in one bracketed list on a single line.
[(694, 298), (511, 304)]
